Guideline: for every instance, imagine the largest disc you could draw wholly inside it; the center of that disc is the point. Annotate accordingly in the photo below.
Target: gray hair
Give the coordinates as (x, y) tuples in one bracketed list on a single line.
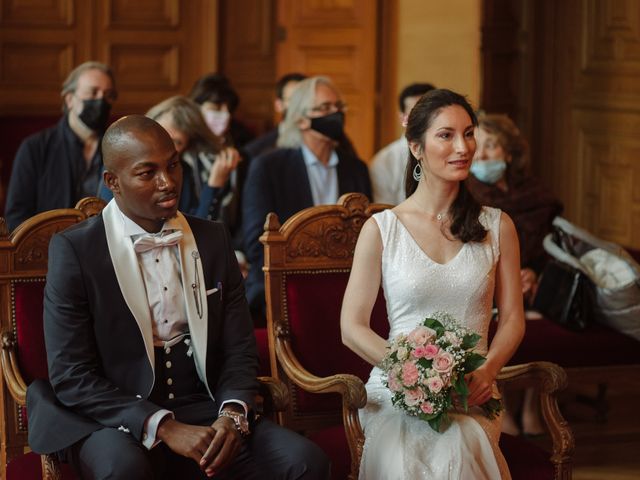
[(71, 82), (301, 101)]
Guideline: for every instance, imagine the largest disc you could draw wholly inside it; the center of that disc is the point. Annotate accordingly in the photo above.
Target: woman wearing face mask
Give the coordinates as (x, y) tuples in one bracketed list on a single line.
[(311, 166), (207, 167), (218, 102), (499, 178)]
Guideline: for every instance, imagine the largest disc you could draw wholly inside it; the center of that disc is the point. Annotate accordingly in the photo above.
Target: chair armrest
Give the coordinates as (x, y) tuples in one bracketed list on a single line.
[(274, 393), (10, 369), (350, 387), (548, 378), (354, 395), (50, 467)]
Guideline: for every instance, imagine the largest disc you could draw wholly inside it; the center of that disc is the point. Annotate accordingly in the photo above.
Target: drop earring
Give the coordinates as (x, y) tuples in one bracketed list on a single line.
[(417, 172)]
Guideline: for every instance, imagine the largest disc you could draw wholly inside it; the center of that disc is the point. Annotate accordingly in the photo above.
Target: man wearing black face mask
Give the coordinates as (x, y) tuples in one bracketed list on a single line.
[(313, 165), (58, 166)]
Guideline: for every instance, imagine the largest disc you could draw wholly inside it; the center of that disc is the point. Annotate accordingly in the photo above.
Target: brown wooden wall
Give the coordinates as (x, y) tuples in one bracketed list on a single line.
[(569, 74), (157, 48)]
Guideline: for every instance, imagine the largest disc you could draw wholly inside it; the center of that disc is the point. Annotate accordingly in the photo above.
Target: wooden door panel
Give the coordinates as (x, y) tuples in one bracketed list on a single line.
[(248, 58), (336, 38), (157, 48)]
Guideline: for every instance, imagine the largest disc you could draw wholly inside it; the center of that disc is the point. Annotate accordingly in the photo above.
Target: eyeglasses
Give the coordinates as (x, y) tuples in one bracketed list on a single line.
[(329, 107), (91, 93)]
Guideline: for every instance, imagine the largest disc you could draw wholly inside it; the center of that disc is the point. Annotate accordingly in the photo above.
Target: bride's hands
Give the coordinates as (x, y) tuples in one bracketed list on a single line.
[(480, 383)]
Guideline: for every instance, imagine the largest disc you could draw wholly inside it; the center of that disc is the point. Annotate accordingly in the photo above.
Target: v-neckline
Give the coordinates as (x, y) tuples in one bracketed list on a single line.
[(417, 245)]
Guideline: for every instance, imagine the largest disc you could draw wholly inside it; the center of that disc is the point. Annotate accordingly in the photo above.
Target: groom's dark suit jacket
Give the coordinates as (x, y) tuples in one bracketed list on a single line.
[(100, 368)]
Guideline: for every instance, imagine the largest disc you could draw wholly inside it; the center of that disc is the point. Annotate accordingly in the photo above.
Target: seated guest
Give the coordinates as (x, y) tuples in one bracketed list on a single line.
[(387, 168), (58, 166), (310, 168), (499, 178), (149, 378), (218, 102), (207, 167), (284, 89)]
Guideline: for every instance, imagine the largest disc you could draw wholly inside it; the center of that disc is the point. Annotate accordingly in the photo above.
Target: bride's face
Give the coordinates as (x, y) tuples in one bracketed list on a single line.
[(449, 144)]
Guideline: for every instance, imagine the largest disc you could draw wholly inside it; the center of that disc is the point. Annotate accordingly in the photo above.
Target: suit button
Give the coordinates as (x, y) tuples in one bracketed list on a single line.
[(171, 396), (168, 364), (169, 381), (167, 350)]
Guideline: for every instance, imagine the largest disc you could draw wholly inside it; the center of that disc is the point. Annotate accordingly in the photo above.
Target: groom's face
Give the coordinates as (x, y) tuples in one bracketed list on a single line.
[(147, 181)]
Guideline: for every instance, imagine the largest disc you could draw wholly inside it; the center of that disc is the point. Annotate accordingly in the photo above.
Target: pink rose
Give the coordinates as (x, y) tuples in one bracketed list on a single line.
[(413, 397), (443, 363), (431, 351), (394, 384), (409, 374), (427, 407), (420, 335), (435, 384)]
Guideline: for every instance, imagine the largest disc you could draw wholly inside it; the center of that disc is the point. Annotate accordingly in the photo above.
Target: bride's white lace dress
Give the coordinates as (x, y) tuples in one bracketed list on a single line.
[(398, 446)]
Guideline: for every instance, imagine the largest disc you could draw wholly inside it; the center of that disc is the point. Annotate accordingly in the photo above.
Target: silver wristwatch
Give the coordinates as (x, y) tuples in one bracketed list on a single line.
[(239, 419)]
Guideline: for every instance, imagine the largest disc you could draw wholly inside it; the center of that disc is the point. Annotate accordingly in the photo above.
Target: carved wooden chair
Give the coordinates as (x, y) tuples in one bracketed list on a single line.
[(23, 256), (23, 270), (307, 265)]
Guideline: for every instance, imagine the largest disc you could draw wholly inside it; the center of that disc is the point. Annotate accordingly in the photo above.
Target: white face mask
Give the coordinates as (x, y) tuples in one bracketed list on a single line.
[(488, 171), (217, 120)]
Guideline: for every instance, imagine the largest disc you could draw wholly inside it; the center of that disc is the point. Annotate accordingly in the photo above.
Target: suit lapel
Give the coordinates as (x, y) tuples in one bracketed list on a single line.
[(125, 264), (303, 195), (195, 295), (345, 184)]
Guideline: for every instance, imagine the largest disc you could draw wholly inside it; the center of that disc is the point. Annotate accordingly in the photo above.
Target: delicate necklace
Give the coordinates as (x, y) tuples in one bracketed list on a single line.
[(439, 216)]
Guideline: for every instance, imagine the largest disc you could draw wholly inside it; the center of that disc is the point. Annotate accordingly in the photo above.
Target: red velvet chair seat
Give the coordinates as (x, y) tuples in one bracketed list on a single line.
[(28, 466), (262, 342), (32, 356), (319, 349), (596, 346), (526, 461)]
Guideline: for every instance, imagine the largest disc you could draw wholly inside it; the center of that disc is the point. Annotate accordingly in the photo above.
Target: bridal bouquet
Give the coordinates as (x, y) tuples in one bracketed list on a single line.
[(425, 370)]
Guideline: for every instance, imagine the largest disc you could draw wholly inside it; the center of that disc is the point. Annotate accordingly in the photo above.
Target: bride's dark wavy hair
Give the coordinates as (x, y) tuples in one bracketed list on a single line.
[(464, 211)]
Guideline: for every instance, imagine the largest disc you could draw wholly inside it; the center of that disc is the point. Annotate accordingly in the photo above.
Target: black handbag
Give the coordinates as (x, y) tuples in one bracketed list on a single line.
[(565, 296)]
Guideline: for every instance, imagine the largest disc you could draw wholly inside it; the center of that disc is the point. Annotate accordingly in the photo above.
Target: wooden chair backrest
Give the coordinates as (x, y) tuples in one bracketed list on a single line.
[(307, 265)]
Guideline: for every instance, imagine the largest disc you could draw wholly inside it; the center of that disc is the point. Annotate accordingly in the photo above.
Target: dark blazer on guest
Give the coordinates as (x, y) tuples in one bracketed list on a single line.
[(98, 335), (278, 182), (48, 172)]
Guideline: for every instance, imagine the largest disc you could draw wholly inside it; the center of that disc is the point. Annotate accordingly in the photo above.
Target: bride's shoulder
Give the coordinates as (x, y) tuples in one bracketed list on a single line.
[(490, 217)]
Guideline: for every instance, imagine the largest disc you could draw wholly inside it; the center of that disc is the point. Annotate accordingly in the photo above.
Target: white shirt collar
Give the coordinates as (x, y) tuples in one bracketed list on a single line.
[(310, 159), (130, 228)]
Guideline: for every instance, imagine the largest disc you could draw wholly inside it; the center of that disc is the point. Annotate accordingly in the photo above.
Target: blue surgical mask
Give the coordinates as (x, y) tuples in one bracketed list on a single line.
[(488, 171)]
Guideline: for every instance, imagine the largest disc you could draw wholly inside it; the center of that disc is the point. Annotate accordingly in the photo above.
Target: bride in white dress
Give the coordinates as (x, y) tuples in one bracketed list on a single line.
[(436, 251)]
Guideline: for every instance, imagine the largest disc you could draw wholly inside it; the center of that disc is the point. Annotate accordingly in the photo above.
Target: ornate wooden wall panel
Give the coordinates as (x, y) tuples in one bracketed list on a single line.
[(40, 42), (609, 147), (248, 31), (157, 48), (154, 47), (346, 52), (606, 109), (46, 13), (579, 64)]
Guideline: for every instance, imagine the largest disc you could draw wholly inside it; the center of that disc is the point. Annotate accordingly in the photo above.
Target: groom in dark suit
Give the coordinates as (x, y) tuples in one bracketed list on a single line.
[(152, 359)]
